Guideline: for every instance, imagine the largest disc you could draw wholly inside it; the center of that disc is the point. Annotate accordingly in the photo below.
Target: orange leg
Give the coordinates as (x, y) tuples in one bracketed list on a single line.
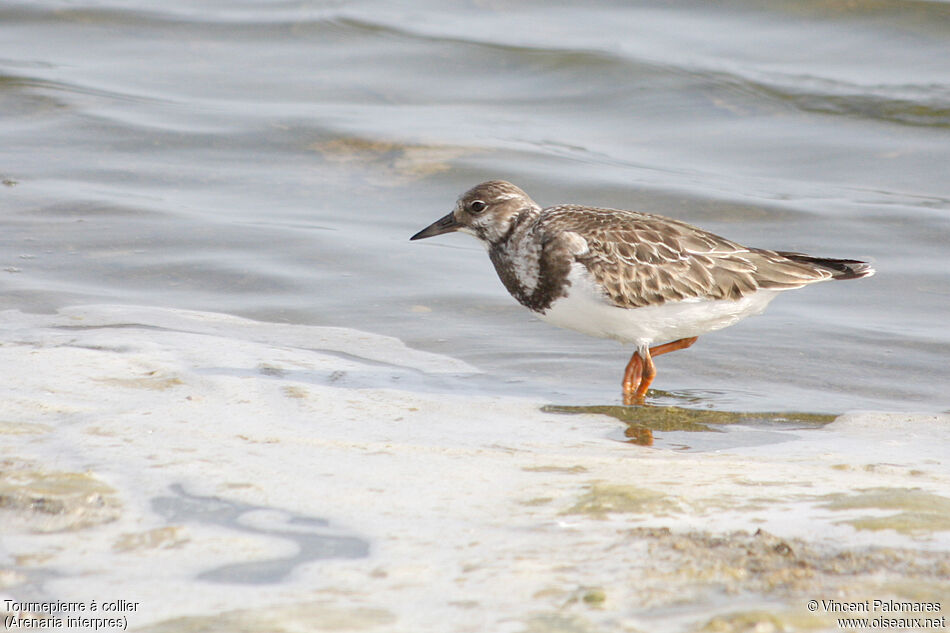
[(632, 374), (649, 373), (683, 343), (641, 371)]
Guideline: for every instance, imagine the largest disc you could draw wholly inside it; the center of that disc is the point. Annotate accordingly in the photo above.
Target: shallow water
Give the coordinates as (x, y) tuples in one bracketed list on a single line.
[(271, 160)]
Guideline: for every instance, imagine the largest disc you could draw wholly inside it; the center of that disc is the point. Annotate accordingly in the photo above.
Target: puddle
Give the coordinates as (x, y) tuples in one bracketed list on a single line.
[(644, 420), (314, 537)]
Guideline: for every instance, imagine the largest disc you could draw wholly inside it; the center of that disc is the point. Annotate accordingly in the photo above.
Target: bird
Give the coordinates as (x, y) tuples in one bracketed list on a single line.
[(639, 278)]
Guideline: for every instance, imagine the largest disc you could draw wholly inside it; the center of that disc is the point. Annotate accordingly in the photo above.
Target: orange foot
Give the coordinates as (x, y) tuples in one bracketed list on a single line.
[(641, 371)]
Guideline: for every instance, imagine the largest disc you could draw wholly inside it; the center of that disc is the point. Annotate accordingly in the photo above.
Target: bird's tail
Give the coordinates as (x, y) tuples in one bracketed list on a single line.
[(840, 268)]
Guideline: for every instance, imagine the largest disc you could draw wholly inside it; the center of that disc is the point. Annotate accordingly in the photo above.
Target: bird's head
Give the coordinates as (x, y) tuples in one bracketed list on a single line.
[(485, 211)]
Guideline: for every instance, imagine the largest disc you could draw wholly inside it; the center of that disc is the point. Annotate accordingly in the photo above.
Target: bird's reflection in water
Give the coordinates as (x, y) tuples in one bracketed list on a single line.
[(643, 420)]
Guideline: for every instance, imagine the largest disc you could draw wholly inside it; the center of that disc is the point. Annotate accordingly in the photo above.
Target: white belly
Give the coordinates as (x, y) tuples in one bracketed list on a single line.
[(585, 310)]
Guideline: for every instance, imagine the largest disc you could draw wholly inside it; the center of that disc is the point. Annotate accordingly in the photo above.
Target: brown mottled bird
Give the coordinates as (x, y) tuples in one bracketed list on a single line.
[(625, 275)]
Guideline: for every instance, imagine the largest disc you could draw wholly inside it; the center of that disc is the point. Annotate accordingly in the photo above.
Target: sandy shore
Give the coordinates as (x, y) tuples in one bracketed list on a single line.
[(222, 474)]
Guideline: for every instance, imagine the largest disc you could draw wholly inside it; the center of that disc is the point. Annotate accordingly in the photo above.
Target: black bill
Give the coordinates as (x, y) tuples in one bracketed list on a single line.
[(446, 224)]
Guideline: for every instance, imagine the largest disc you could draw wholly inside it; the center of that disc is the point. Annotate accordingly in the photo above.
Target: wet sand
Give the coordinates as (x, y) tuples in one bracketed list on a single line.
[(231, 475)]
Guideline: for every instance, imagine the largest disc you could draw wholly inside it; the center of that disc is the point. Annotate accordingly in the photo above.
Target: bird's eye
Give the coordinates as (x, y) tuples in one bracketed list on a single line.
[(477, 206)]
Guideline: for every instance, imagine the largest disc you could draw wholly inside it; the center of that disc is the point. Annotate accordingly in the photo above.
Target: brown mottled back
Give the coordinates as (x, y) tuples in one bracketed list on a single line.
[(642, 259)]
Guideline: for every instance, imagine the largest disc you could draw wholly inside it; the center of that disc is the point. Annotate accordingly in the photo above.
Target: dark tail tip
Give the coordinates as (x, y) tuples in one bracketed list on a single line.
[(840, 268)]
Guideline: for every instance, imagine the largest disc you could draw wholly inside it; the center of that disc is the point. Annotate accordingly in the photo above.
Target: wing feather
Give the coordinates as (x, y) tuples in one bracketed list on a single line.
[(642, 259)]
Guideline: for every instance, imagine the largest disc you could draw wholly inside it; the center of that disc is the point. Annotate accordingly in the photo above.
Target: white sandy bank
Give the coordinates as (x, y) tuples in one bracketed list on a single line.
[(252, 476)]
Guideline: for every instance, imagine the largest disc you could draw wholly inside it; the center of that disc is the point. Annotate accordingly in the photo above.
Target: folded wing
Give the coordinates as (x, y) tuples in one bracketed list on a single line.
[(642, 259)]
